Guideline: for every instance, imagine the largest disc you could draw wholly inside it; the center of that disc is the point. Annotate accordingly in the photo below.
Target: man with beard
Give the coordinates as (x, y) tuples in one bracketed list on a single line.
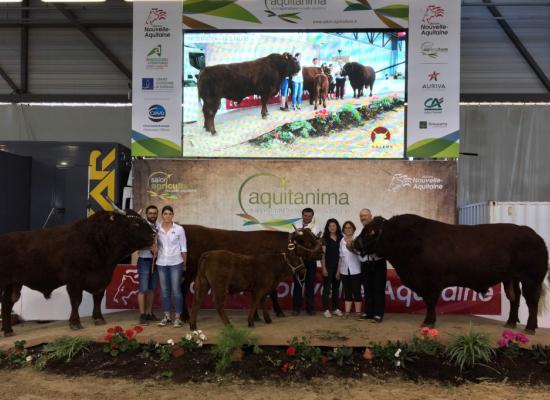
[(148, 278)]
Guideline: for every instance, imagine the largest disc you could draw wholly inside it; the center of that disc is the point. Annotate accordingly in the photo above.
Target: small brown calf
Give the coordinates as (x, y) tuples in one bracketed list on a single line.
[(320, 90), (228, 272)]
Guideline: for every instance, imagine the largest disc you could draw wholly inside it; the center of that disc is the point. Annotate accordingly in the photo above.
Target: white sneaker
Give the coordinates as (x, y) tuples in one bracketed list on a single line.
[(178, 323), (338, 313), (327, 314)]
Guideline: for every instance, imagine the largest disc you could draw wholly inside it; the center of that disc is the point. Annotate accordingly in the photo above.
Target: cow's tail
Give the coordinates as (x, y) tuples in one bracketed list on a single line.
[(542, 308)]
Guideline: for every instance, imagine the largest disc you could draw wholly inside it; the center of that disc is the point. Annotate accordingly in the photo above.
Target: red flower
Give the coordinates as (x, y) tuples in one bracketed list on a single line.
[(129, 333), (108, 337), (285, 367), (291, 351), (110, 330), (118, 329), (114, 346), (425, 330), (138, 329)]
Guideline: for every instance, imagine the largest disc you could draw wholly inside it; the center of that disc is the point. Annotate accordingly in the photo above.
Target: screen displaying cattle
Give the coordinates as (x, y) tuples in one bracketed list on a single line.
[(294, 94)]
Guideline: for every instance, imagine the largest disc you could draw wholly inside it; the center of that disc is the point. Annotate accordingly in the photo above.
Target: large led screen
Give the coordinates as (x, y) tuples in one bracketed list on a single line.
[(326, 94)]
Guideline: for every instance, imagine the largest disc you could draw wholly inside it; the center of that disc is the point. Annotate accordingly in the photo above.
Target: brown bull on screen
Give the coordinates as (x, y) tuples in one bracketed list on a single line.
[(201, 239), (228, 272), (235, 81), (309, 74), (81, 255), (430, 255), (360, 77)]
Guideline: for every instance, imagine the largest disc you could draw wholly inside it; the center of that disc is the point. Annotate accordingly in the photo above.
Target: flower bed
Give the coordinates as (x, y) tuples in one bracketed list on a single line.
[(326, 122), (469, 357)]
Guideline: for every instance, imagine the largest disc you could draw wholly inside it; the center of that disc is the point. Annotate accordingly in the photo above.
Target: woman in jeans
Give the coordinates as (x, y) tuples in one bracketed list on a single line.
[(329, 264), (171, 259), (349, 268)]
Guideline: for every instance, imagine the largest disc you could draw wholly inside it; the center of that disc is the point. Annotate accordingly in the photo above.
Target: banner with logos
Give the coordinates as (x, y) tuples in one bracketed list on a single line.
[(123, 289), (156, 79), (433, 114), (270, 194)]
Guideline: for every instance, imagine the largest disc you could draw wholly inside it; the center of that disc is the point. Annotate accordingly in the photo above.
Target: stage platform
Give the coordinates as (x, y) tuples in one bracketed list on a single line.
[(321, 331)]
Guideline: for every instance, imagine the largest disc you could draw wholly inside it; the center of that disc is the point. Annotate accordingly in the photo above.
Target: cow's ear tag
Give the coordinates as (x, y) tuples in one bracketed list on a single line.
[(112, 217)]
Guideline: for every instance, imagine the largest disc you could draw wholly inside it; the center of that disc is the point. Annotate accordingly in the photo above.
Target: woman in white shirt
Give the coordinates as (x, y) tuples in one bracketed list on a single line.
[(349, 270), (171, 259)]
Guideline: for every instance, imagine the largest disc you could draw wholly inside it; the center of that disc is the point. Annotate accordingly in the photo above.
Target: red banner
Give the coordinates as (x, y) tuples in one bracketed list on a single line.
[(123, 289)]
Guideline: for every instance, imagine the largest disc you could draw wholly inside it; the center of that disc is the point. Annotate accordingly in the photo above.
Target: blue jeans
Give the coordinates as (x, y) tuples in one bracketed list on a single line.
[(170, 286), (147, 280), (297, 91), (284, 88)]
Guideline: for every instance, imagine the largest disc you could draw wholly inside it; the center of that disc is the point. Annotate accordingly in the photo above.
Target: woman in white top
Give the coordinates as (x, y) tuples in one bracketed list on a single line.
[(349, 270), (171, 259)]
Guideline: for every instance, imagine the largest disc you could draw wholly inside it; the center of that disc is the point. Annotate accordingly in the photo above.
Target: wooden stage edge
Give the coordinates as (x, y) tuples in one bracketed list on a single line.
[(330, 332)]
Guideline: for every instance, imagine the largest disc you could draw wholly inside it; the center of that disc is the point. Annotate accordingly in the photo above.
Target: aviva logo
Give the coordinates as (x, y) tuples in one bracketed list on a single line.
[(101, 180)]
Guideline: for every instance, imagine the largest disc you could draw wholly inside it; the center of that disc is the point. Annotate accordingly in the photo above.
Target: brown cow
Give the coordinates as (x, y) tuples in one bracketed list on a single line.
[(320, 90), (81, 255), (228, 272), (359, 77), (201, 239), (430, 255), (309, 74), (236, 81)]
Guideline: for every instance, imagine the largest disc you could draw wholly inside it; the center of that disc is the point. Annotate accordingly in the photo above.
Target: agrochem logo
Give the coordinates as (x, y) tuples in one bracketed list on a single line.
[(271, 195), (163, 186)]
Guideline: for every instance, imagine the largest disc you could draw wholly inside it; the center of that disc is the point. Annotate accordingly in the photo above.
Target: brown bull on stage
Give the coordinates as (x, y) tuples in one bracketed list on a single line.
[(360, 77), (82, 255), (228, 272), (320, 90), (262, 77), (310, 77), (201, 239), (430, 255)]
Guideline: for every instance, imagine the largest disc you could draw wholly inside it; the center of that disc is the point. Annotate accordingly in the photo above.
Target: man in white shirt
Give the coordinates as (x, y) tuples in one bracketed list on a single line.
[(148, 278), (307, 221), (374, 271)]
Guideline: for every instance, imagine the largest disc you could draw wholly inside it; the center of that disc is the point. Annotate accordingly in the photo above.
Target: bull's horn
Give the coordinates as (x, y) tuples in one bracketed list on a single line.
[(115, 207)]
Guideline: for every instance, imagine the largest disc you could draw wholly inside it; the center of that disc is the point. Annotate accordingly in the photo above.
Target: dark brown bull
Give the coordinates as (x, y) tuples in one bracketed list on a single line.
[(201, 239), (430, 255), (320, 90), (228, 272), (81, 255), (359, 77), (262, 77)]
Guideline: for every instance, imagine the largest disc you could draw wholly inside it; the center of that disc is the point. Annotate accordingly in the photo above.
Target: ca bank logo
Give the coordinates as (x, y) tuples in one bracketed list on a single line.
[(433, 104), (156, 113)]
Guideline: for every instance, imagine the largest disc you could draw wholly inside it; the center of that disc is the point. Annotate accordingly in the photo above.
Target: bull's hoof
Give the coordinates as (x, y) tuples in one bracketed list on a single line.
[(8, 334), (280, 314), (530, 331), (76, 326), (99, 321), (268, 321), (192, 327), (251, 324), (510, 325), (430, 325), (264, 116)]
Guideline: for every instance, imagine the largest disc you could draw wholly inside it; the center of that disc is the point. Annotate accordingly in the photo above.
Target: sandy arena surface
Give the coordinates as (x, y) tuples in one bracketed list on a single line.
[(27, 384), (322, 331)]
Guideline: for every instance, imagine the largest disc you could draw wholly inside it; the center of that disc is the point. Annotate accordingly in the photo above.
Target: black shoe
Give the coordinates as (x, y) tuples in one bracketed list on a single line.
[(310, 312), (143, 319), (364, 317), (377, 319), (152, 317)]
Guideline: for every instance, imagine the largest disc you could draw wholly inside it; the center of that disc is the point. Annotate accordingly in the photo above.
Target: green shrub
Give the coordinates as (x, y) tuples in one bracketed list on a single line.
[(65, 348), (342, 355), (231, 339), (305, 351), (471, 349), (397, 353), (541, 354)]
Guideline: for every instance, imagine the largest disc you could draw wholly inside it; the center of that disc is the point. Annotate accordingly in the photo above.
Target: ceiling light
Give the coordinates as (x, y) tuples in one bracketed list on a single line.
[(11, 1)]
